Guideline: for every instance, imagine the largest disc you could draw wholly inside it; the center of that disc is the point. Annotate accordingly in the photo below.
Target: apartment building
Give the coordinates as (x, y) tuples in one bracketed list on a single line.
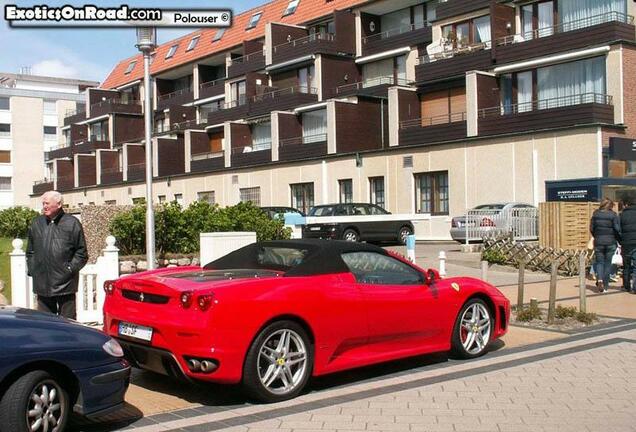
[(421, 107), (31, 109)]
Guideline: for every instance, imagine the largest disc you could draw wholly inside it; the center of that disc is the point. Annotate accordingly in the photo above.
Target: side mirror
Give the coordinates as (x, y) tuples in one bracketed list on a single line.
[(432, 275)]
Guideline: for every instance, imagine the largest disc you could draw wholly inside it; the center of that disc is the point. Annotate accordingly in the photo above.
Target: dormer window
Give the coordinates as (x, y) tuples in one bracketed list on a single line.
[(171, 51), (219, 34), (130, 67), (291, 7), (254, 20), (193, 43), (152, 57)]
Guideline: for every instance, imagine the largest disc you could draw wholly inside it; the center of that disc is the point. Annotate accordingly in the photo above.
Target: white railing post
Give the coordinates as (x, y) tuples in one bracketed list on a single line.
[(21, 289), (442, 263), (410, 248), (108, 269)]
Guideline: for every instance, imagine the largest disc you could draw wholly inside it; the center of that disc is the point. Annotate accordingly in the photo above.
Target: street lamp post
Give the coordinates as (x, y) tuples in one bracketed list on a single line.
[(146, 43)]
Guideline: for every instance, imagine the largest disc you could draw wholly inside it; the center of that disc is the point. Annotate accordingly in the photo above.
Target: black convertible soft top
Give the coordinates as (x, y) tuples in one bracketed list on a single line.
[(304, 257)]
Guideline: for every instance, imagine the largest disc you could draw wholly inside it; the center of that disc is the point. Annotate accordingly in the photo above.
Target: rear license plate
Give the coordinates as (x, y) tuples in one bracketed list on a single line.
[(314, 229), (135, 331)]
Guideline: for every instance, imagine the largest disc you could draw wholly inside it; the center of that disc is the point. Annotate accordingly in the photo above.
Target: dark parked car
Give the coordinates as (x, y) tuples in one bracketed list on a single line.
[(357, 222), (276, 211), (50, 366)]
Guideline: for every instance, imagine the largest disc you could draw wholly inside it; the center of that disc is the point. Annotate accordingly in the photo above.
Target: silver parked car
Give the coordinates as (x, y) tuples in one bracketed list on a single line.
[(518, 219)]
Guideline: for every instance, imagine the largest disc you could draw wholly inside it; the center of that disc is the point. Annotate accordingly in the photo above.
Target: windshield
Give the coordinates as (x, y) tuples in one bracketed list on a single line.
[(321, 211)]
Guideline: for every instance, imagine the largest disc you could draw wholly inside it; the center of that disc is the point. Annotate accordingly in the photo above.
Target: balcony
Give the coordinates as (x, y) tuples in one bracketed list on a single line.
[(178, 97), (452, 62), (115, 106), (65, 183), (304, 147), (207, 161), (324, 43), (61, 151), (429, 130), (232, 110), (608, 27), (136, 172), (241, 158), (247, 63), (212, 88), (41, 186), (74, 116), (413, 34), (112, 176), (89, 146), (282, 99), (568, 111), (370, 87)]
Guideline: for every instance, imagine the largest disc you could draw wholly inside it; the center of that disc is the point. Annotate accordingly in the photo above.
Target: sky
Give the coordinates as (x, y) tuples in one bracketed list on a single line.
[(87, 53)]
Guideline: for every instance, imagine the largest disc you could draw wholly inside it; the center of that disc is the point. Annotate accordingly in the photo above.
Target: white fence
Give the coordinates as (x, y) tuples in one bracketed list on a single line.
[(90, 294), (521, 223)]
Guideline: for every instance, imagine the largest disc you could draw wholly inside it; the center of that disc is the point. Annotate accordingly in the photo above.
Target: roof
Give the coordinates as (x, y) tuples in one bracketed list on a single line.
[(319, 256), (234, 36), (9, 79)]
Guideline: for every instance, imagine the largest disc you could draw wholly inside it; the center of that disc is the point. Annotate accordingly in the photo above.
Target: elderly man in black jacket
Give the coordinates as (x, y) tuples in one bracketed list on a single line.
[(56, 253), (628, 244)]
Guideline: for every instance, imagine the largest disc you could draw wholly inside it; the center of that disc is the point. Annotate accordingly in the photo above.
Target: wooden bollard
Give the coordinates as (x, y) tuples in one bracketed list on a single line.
[(553, 286), (582, 284), (520, 288)]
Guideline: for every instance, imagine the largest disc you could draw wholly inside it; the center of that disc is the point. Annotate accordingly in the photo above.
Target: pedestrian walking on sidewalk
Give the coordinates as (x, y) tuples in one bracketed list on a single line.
[(56, 252), (606, 230), (628, 243)]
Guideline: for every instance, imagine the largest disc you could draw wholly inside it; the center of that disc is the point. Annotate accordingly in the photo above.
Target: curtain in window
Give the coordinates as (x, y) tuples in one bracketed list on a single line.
[(261, 136), (482, 29), (314, 126), (527, 17), (394, 21), (571, 83), (376, 73), (576, 14), (524, 91), (431, 11), (546, 19), (400, 66)]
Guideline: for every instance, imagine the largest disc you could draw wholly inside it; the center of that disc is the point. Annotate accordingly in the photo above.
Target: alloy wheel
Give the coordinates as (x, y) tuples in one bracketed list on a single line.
[(45, 409), (282, 362), (475, 328)]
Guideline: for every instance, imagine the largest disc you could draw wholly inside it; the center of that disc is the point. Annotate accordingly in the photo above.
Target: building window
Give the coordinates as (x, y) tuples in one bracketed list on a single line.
[(207, 108), (237, 93), (172, 51), (291, 7), (138, 200), (5, 183), (110, 202), (302, 196), (219, 34), (193, 43), (261, 136), (254, 20), (50, 132), (161, 198), (179, 199), (468, 32), (4, 103), (252, 195), (376, 188), (130, 67), (346, 191), (307, 80), (99, 131), (49, 107), (207, 197), (5, 130), (5, 156), (431, 193), (314, 126)]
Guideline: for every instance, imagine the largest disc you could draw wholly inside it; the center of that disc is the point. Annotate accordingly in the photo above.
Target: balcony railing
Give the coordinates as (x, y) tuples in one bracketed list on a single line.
[(59, 147), (209, 84), (542, 104), (433, 121), (111, 170), (395, 32), (205, 156), (300, 89), (176, 93), (371, 82), (246, 58), (137, 167), (306, 139), (116, 101), (72, 112), (446, 50), (305, 40), (42, 181), (566, 27)]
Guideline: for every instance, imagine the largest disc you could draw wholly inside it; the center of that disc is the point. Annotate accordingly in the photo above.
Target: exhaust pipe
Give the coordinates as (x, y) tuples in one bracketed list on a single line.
[(207, 366), (194, 365)]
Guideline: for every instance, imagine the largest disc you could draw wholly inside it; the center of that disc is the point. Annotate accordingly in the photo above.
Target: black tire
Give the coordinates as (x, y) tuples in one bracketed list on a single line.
[(461, 335), (403, 233), (351, 235), (252, 370), (18, 401)]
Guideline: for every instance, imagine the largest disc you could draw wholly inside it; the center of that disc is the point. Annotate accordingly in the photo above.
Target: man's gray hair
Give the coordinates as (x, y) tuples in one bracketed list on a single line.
[(54, 195)]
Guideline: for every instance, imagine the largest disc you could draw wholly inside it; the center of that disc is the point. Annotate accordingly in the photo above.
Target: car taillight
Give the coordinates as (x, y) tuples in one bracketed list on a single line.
[(186, 299), (205, 301), (453, 223), (109, 287), (485, 222)]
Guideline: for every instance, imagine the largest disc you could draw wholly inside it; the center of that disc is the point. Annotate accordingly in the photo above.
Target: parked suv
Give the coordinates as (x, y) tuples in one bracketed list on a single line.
[(357, 222)]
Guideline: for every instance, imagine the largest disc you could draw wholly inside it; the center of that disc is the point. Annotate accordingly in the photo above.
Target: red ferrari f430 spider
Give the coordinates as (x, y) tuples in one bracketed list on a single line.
[(273, 314)]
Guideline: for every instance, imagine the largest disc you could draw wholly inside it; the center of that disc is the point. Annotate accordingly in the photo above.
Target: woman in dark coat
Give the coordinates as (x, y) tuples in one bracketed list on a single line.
[(606, 229)]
